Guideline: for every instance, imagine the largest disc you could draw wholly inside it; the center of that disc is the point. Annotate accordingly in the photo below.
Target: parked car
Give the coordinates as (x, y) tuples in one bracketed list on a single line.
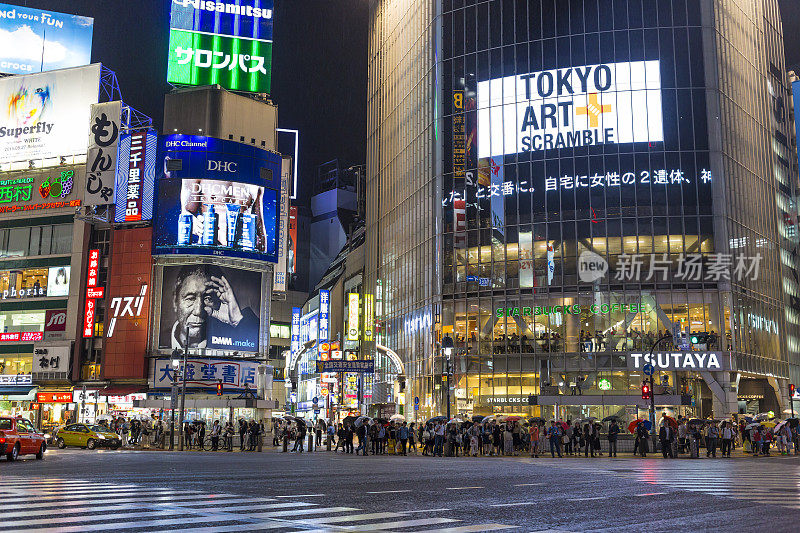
[(19, 437), (87, 436)]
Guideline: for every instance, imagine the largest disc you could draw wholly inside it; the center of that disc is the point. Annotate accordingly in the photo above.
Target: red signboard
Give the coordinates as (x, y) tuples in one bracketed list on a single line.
[(22, 336), (94, 266), (88, 318), (54, 397), (55, 320), (133, 204), (94, 292)]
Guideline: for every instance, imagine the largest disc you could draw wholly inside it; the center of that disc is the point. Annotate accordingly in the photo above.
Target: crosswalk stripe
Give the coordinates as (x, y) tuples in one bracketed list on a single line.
[(50, 497), (129, 525), (467, 529), (404, 523), (85, 501), (52, 520), (76, 510), (228, 528), (255, 506), (349, 518), (317, 510)]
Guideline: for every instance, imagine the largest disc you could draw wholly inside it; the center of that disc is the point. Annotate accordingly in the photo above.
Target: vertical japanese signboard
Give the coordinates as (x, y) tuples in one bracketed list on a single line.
[(369, 316), (133, 193), (101, 158), (324, 314), (90, 309), (459, 136), (295, 344), (279, 284), (353, 302), (136, 176)]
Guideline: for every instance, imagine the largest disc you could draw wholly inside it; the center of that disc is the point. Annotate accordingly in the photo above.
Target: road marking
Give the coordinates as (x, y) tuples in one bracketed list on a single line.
[(349, 518), (160, 492), (387, 491), (467, 529), (529, 485), (82, 502), (135, 525), (515, 504), (139, 513), (649, 494), (425, 511), (404, 523), (318, 510), (463, 488), (301, 496)]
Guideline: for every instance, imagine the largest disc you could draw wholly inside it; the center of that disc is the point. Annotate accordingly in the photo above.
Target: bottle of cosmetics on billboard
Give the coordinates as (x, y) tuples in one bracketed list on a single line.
[(241, 228)]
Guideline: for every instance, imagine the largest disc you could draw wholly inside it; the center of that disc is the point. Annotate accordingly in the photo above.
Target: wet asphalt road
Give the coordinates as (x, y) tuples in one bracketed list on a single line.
[(417, 493)]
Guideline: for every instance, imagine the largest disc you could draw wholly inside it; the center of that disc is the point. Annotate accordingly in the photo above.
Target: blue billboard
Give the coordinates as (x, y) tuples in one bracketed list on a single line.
[(35, 40), (216, 197)]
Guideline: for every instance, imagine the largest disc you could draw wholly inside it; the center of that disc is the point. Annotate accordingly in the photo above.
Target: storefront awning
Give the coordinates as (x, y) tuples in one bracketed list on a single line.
[(121, 390), (23, 391)]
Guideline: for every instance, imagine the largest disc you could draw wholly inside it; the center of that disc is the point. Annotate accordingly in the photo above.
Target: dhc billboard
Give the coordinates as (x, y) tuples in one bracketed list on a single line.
[(216, 197)]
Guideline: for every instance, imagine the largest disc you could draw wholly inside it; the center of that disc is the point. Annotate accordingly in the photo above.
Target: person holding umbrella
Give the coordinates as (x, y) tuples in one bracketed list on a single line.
[(641, 438), (554, 433)]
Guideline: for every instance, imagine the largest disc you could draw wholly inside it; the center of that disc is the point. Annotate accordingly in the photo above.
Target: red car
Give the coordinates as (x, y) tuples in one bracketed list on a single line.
[(19, 437)]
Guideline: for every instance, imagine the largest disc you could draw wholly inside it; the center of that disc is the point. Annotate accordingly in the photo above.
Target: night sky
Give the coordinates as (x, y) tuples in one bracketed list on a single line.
[(319, 65)]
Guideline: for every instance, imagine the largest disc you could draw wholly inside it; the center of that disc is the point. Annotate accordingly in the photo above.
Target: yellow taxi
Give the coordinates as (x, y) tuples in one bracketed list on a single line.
[(87, 436)]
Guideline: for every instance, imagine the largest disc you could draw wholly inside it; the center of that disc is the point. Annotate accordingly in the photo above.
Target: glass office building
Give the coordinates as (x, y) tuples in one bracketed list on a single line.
[(556, 185)]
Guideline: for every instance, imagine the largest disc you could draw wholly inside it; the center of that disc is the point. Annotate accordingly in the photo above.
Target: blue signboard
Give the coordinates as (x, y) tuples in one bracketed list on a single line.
[(295, 344), (235, 374), (366, 365), (35, 40), (133, 195), (216, 197), (796, 98), (324, 314)]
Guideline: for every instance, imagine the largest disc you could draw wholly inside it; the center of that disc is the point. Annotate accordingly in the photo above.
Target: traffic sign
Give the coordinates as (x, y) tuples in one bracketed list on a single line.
[(316, 411), (648, 369), (416, 407), (315, 400), (416, 400)]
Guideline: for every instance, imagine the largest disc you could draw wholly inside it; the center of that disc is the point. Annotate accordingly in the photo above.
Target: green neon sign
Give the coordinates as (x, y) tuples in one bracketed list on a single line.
[(574, 309), (604, 384), (235, 63)]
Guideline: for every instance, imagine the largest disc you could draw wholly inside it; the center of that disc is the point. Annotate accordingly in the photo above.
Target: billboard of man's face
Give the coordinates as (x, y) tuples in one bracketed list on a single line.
[(190, 309), (212, 307)]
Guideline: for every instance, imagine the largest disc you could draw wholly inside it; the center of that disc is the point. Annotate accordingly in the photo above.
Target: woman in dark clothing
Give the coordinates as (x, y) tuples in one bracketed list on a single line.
[(497, 439)]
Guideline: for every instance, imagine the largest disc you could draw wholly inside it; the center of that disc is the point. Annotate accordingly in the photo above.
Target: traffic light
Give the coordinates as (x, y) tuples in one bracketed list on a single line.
[(791, 390), (646, 391), (219, 388), (700, 337)]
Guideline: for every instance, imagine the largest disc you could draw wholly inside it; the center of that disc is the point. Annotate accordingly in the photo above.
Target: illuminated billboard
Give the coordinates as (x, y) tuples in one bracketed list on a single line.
[(612, 103), (208, 306), (135, 179), (45, 115), (217, 197), (36, 190), (35, 40), (224, 43)]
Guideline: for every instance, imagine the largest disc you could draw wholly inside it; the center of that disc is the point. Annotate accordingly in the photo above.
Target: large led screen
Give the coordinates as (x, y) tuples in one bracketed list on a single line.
[(613, 103), (35, 40), (45, 115), (224, 43), (217, 197), (208, 306)]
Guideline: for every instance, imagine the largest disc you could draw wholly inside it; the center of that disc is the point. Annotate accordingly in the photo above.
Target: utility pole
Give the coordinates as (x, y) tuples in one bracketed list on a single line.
[(183, 390)]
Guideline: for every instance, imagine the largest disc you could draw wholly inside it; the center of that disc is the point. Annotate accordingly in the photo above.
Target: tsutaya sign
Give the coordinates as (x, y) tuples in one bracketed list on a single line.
[(587, 105), (713, 361)]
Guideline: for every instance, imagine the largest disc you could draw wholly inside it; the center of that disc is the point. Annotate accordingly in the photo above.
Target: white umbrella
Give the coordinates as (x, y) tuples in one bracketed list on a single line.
[(397, 418), (362, 420), (455, 421)]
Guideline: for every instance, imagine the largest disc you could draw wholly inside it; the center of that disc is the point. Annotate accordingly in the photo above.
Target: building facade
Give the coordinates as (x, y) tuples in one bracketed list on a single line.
[(558, 185)]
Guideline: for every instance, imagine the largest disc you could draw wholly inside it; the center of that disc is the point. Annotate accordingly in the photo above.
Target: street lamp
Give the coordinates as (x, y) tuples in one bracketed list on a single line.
[(447, 348)]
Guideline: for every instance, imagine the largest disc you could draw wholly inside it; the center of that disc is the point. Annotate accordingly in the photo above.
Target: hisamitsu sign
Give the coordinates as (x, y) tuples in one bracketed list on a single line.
[(698, 361), (367, 365)]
